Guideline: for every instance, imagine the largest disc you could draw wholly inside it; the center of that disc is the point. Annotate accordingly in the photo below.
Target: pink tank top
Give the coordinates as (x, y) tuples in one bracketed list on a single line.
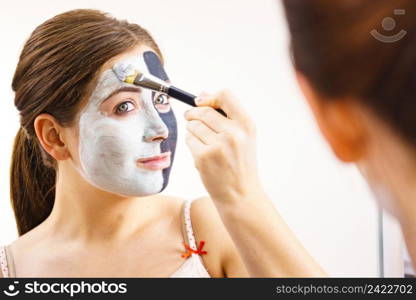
[(192, 267)]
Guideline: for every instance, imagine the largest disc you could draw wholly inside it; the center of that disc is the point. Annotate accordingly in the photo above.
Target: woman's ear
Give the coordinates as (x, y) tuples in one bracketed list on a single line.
[(339, 121), (49, 134)]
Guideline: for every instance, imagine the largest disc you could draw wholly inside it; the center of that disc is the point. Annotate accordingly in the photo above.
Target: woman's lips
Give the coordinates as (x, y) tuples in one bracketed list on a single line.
[(155, 163)]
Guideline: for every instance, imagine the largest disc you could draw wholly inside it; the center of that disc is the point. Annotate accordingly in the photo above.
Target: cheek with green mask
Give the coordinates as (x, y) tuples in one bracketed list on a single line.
[(130, 156)]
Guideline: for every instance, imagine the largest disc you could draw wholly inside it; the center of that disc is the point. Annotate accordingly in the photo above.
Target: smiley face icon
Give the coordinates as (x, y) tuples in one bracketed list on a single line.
[(12, 291), (389, 24)]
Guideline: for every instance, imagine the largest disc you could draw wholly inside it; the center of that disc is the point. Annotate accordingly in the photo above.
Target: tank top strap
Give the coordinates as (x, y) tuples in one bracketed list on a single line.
[(3, 262), (188, 223)]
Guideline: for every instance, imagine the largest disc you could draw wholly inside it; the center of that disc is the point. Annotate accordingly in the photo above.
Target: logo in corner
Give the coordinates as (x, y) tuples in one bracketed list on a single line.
[(12, 291), (389, 24)]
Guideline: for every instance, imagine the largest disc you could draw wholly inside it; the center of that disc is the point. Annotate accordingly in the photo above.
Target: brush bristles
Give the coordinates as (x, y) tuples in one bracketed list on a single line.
[(126, 73), (131, 78)]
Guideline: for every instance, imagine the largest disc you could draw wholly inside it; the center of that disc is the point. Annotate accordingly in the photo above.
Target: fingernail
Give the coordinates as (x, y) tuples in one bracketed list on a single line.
[(199, 100)]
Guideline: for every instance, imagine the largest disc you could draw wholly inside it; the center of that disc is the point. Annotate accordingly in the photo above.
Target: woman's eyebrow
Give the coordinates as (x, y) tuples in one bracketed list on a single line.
[(124, 89)]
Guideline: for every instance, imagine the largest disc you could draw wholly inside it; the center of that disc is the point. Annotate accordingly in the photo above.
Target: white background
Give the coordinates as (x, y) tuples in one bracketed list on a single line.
[(240, 45)]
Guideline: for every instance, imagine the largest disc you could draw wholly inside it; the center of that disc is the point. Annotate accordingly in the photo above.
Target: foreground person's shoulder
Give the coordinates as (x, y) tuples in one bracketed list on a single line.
[(221, 251)]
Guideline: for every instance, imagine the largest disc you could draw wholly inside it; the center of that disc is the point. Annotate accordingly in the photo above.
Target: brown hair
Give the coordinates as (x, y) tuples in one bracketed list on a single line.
[(56, 69), (333, 47)]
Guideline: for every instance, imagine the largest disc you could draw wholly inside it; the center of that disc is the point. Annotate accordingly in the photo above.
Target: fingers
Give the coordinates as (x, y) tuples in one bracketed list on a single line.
[(226, 101), (195, 144), (200, 130), (209, 116), (216, 124)]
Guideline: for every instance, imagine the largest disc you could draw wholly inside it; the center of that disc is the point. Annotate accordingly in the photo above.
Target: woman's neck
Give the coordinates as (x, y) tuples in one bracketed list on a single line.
[(85, 213)]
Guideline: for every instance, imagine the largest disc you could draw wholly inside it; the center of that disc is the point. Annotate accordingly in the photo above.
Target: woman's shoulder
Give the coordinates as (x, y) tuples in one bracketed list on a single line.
[(170, 203), (222, 258), (222, 254)]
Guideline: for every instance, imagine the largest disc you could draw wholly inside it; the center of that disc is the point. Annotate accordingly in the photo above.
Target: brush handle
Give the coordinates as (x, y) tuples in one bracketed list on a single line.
[(187, 98)]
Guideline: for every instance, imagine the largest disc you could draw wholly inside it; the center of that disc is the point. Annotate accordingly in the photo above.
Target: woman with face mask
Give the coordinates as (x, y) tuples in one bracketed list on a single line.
[(90, 158), (360, 86)]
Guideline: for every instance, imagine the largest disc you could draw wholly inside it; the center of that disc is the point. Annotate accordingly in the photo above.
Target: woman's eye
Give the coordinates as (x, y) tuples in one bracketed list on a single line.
[(161, 100), (124, 107)]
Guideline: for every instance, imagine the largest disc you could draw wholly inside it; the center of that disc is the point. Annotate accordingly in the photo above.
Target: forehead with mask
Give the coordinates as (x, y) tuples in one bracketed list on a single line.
[(127, 135)]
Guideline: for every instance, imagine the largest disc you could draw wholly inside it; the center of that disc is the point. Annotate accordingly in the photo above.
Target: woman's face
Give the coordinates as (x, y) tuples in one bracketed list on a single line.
[(126, 134)]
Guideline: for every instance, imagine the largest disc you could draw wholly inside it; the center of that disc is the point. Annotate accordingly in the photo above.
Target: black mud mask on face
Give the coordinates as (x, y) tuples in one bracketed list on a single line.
[(155, 68)]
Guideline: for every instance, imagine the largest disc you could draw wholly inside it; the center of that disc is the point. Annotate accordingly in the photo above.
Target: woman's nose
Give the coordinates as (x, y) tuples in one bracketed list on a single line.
[(156, 132)]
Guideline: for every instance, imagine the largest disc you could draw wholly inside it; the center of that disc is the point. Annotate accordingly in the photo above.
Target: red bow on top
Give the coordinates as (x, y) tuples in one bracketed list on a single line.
[(197, 251)]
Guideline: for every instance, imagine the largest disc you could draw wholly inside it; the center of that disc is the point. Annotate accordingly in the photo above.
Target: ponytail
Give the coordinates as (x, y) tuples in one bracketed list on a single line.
[(32, 183)]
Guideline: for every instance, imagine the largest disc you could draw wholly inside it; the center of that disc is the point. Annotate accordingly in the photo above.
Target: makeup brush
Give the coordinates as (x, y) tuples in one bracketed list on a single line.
[(134, 76)]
